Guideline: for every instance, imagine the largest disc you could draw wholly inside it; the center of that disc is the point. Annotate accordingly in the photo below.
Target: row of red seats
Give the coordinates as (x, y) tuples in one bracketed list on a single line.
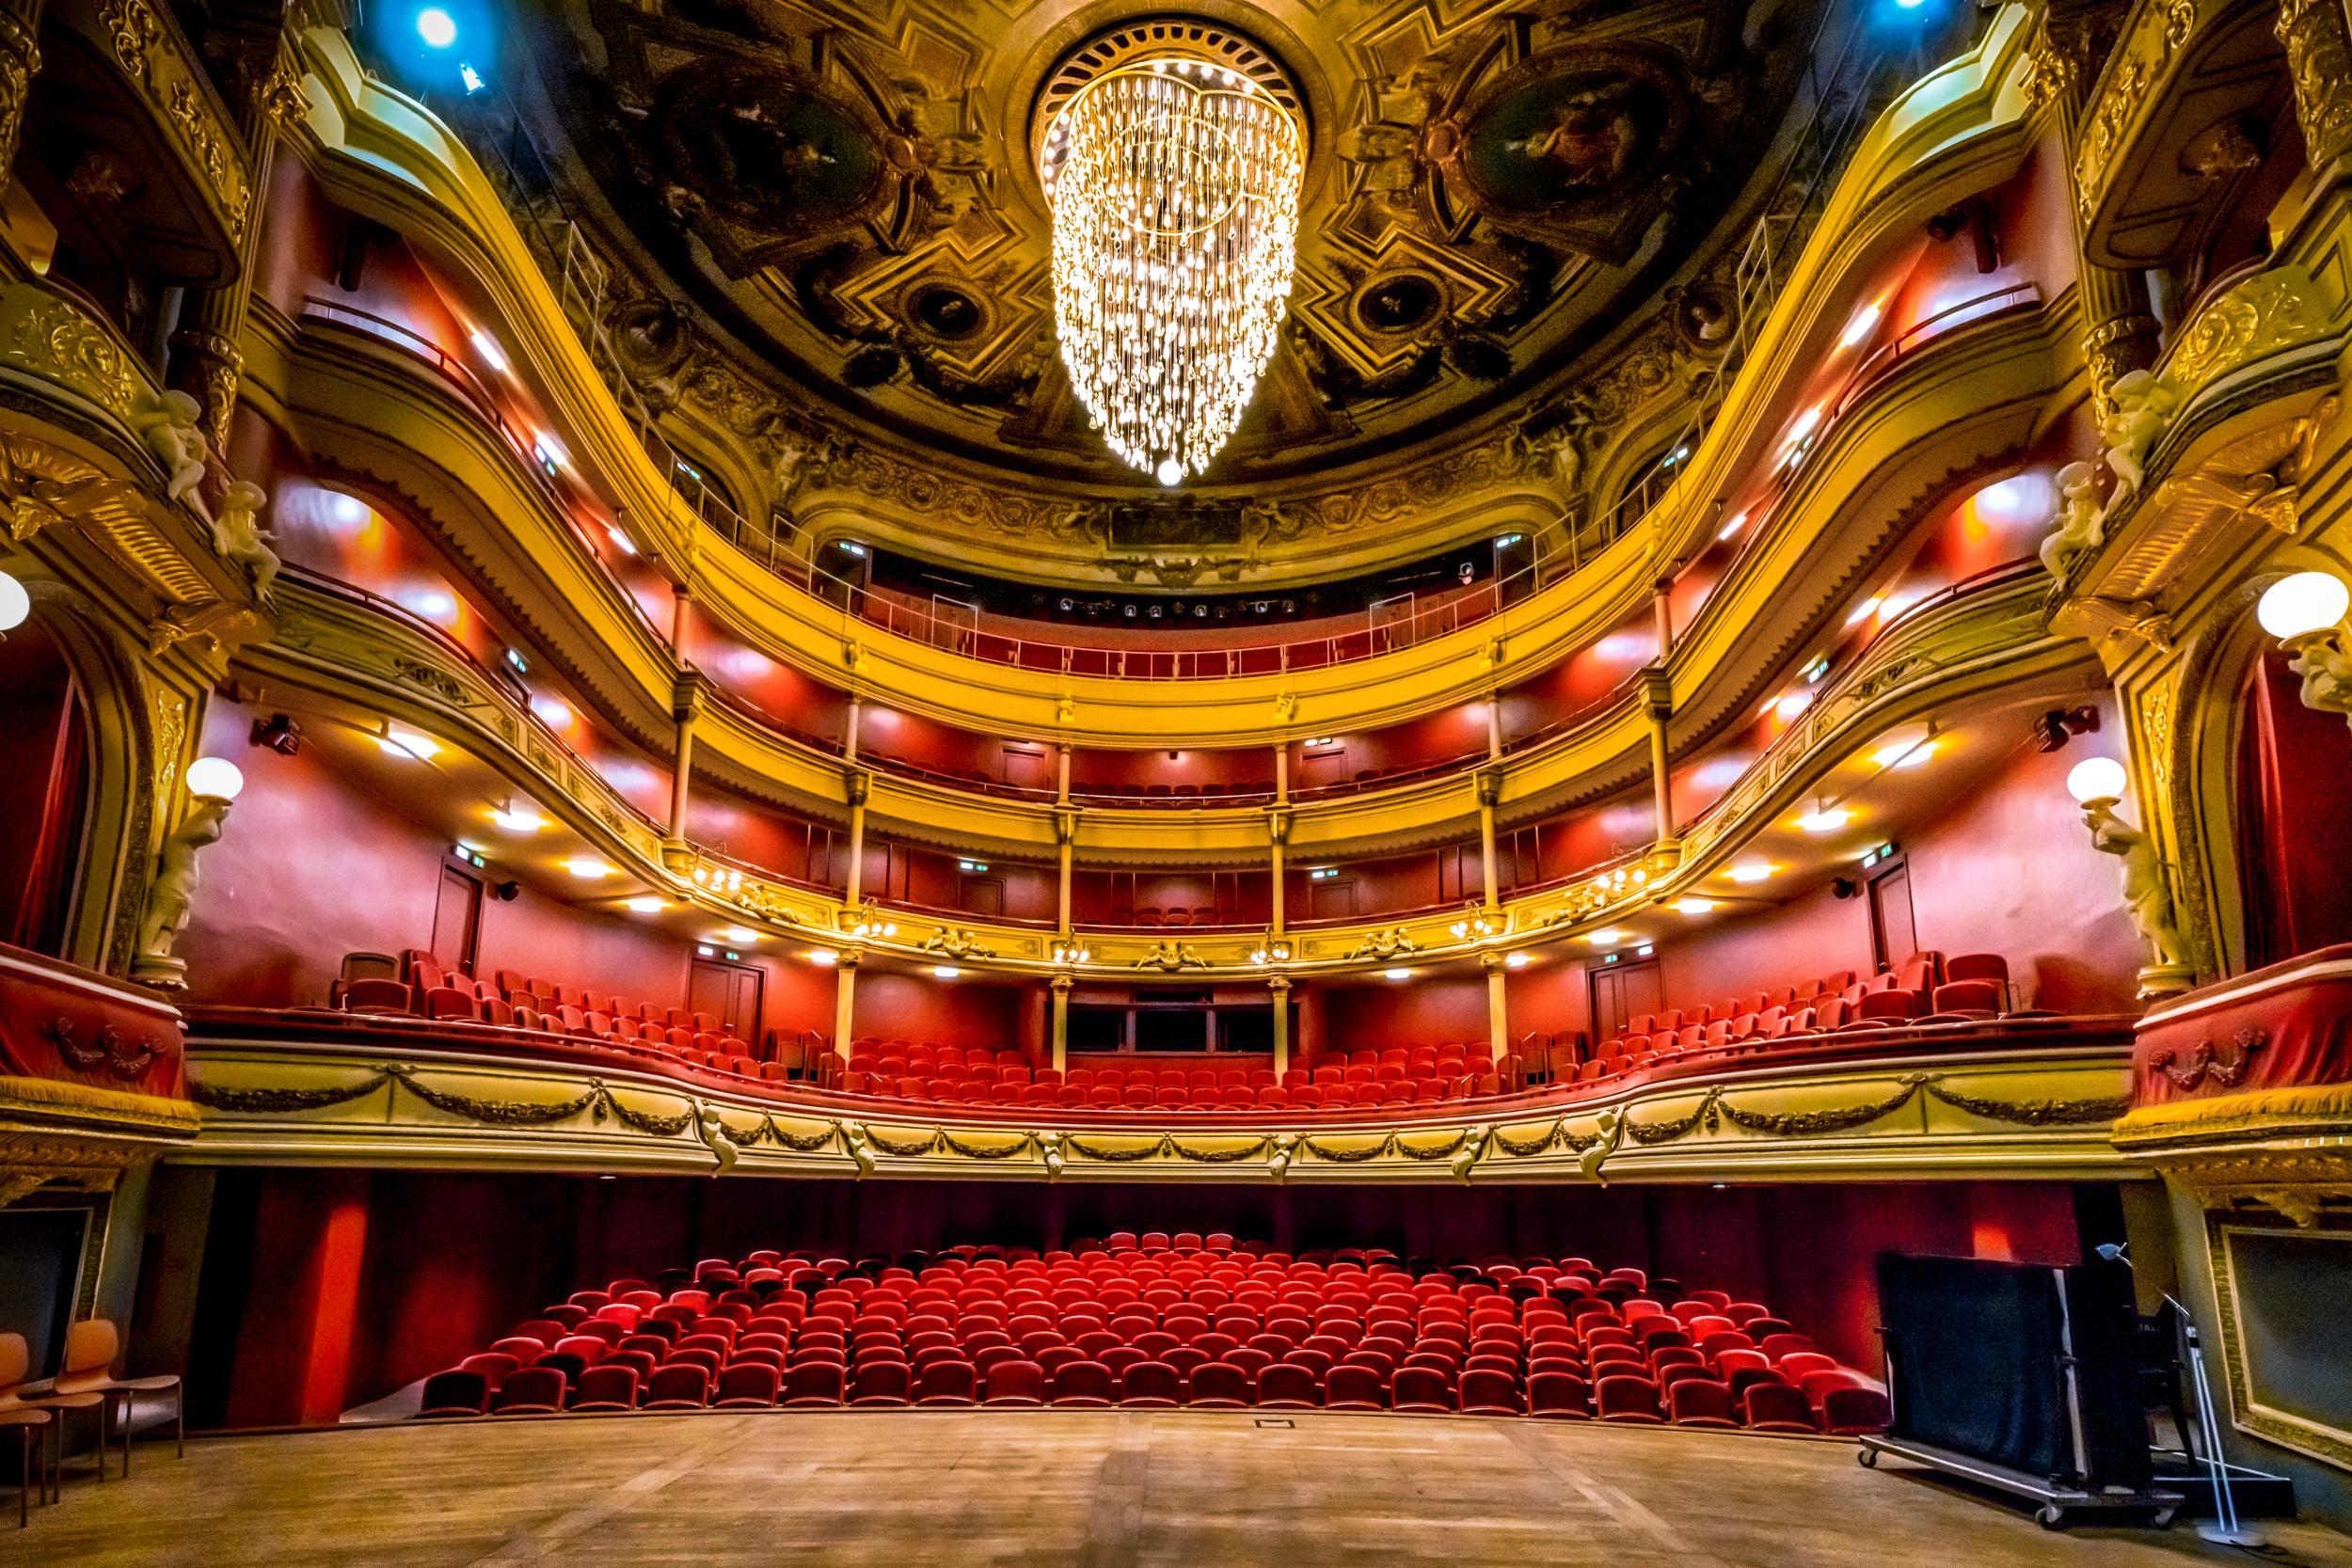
[(424, 988), (1923, 977), (1163, 1327)]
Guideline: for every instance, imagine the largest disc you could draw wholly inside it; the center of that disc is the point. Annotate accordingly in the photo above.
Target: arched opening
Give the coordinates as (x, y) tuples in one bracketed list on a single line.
[(2294, 837), (46, 796)]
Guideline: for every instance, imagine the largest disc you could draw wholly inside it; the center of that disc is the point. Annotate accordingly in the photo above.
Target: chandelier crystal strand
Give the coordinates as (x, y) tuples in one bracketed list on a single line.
[(1174, 185)]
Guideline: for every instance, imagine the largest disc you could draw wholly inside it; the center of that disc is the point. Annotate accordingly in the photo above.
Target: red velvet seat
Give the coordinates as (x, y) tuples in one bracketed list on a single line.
[(1776, 1407), (455, 1392), (1220, 1386), (1490, 1392), (1086, 1384), (676, 1386), (1151, 1385), (1627, 1399), (1853, 1411), (607, 1388), (880, 1383), (946, 1382), (1355, 1386), (1420, 1388), (534, 1391), (1700, 1401), (813, 1384), (1558, 1396), (1286, 1385), (1014, 1382)]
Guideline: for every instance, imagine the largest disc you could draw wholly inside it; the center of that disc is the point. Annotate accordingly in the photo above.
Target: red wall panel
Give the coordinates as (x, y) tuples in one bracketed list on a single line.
[(944, 1012), (1420, 1012)]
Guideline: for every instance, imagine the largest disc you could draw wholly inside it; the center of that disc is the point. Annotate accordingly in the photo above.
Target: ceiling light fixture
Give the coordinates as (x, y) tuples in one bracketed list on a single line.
[(1174, 184), (823, 958), (646, 903), (945, 971), (1827, 819), (1750, 871), (587, 867), (742, 936), (517, 819), (1694, 905), (1396, 973), (407, 744)]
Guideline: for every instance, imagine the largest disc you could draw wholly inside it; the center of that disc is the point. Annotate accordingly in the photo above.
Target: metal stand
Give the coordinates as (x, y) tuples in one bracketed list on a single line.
[(2224, 1526), (2057, 1502)]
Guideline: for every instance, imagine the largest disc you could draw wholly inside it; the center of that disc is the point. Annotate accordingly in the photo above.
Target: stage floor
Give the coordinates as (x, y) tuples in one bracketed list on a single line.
[(1098, 1489)]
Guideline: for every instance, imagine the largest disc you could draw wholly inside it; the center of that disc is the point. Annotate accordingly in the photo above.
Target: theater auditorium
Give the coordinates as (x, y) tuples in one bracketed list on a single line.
[(1175, 782)]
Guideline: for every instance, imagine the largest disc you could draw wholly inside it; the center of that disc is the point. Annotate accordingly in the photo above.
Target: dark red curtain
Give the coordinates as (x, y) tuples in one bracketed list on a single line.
[(44, 800), (2294, 833)]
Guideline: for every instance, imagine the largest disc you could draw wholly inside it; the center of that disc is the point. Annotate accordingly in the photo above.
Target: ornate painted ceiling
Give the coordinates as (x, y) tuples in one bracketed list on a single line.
[(840, 203)]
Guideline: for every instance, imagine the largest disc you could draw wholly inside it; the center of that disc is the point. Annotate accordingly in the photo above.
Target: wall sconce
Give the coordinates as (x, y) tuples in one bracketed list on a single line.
[(869, 922), (15, 604), (1070, 951), (2305, 612), (213, 782), (1273, 950), (2098, 785), (1475, 924)]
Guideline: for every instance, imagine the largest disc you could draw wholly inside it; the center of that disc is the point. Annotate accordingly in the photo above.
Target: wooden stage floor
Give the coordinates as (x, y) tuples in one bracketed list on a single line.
[(1108, 1489)]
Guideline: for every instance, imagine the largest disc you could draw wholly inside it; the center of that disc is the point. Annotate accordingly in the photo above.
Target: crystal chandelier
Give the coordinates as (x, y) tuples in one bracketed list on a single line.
[(1174, 184)]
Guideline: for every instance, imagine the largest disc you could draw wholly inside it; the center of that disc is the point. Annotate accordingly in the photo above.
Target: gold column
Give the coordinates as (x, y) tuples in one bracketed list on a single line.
[(849, 729), (1498, 1010), (686, 706), (1282, 773), (1062, 984), (1061, 775), (2318, 42), (845, 1002), (1281, 987), (858, 784), (2119, 320), (264, 90), (20, 61), (1278, 827), (1489, 782), (1065, 848), (1657, 689)]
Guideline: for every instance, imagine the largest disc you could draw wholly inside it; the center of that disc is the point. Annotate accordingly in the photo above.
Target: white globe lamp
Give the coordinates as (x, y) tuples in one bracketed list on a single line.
[(2097, 778)]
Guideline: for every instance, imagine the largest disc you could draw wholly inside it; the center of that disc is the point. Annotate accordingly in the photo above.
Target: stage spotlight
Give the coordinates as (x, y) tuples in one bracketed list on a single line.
[(437, 27), (280, 733)]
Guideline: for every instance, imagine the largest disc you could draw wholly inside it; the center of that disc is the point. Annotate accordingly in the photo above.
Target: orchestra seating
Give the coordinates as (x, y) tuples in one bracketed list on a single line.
[(1158, 1321)]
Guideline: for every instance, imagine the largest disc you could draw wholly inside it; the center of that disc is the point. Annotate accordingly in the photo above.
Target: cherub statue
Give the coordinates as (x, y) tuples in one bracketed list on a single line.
[(2140, 407), (172, 894), (2327, 674), (238, 535), (1278, 1157), (1609, 1132), (171, 426), (1474, 1148), (2146, 894), (712, 1129), (2079, 519)]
